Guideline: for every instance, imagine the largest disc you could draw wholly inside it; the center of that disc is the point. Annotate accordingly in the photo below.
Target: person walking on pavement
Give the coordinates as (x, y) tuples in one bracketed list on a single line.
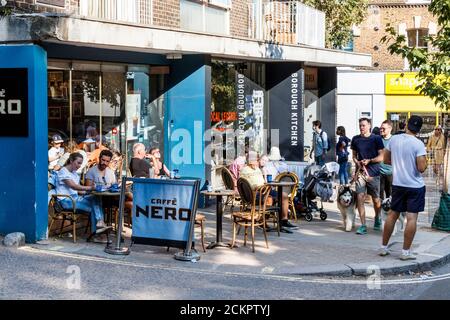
[(435, 148), (385, 169), (320, 143), (342, 155), (407, 155), (367, 154)]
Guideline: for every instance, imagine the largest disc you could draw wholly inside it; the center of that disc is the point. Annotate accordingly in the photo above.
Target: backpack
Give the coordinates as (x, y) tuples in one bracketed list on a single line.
[(328, 142)]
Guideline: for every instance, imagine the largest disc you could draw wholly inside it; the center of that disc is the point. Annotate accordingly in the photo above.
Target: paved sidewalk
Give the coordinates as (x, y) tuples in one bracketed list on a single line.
[(317, 248)]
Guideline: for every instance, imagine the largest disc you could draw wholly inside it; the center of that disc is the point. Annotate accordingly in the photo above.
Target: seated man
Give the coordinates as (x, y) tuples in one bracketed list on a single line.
[(68, 182), (138, 166), (101, 174), (255, 177), (99, 147)]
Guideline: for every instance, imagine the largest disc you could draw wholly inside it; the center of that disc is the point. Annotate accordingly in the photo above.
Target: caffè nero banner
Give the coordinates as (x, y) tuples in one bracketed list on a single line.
[(13, 102), (163, 211)]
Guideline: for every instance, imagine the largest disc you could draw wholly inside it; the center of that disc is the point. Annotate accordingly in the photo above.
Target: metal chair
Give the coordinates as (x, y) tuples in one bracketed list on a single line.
[(252, 211)]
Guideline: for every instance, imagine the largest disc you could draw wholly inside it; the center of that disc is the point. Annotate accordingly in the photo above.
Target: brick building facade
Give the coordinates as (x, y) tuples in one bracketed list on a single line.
[(405, 16), (163, 13)]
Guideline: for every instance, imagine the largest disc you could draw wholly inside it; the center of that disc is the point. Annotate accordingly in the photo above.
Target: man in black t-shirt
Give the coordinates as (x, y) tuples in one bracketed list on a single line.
[(139, 167), (367, 154)]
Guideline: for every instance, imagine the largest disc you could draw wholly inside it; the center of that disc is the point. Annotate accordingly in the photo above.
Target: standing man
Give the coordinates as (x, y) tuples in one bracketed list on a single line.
[(385, 169), (367, 154), (320, 143), (408, 157), (101, 174)]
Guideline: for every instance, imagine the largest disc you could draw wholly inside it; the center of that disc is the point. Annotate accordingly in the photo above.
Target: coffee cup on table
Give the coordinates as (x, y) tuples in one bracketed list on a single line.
[(115, 186), (98, 188)]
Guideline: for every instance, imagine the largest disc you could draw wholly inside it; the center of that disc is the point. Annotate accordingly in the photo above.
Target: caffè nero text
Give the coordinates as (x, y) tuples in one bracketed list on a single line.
[(164, 209), (12, 106)]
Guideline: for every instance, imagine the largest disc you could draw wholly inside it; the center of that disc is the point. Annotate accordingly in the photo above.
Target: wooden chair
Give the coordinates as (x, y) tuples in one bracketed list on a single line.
[(200, 221), (291, 177), (252, 211)]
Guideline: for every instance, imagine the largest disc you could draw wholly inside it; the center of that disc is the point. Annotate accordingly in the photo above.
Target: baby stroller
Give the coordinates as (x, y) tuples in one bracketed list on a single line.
[(317, 183)]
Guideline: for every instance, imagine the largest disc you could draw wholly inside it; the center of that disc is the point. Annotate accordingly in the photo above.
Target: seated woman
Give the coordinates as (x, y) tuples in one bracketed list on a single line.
[(159, 167), (255, 177), (68, 182), (235, 168)]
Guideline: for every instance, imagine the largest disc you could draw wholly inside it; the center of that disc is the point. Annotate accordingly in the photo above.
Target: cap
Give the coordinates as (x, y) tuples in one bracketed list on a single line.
[(56, 138), (89, 140), (415, 124)]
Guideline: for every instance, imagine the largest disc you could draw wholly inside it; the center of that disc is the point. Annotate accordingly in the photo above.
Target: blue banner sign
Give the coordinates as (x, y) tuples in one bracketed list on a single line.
[(164, 211)]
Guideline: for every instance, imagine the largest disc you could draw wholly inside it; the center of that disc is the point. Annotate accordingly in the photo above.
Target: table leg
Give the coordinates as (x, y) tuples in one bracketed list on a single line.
[(219, 213)]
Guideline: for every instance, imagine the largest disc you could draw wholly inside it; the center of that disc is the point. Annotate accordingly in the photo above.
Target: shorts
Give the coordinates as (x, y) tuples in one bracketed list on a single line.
[(372, 187), (408, 199)]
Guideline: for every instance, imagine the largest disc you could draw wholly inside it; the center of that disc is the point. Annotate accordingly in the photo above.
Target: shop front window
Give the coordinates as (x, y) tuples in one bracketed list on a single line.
[(429, 123), (397, 118), (115, 105), (238, 114)]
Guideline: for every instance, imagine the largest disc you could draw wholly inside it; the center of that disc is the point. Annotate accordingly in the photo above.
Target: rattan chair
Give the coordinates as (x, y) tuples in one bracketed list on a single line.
[(291, 177)]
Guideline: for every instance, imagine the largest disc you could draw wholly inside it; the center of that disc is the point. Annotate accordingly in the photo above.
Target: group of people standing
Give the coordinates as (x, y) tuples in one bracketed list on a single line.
[(386, 166)]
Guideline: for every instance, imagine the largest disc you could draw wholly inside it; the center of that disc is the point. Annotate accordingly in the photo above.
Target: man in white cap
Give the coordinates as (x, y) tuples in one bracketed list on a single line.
[(56, 151)]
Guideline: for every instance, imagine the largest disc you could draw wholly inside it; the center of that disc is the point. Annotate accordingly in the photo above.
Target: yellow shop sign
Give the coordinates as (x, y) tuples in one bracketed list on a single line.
[(401, 83)]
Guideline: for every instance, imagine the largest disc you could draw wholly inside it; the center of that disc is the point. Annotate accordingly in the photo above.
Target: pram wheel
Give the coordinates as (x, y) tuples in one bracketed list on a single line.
[(308, 216), (323, 215)]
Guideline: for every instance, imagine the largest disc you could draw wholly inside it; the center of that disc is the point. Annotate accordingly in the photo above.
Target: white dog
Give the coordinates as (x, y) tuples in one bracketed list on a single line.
[(399, 224), (346, 202)]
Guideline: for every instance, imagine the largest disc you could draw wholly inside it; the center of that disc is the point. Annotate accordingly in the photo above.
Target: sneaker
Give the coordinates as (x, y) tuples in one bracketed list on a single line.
[(377, 224), (362, 230), (289, 225), (405, 257), (383, 252)]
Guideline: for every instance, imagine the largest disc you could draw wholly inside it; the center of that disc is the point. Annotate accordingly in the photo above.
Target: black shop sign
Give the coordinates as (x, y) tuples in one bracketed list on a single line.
[(13, 102)]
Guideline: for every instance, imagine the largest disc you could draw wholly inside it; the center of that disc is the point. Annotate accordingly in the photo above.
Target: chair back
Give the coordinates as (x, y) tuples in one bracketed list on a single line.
[(289, 177), (245, 191), (227, 179)]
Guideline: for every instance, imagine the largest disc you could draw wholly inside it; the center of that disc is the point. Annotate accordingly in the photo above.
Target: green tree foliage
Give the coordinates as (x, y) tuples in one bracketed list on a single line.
[(432, 63), (340, 16), (223, 92)]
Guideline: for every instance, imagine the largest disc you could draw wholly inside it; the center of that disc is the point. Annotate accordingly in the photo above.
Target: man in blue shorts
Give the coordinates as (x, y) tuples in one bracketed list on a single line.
[(367, 154), (408, 157)]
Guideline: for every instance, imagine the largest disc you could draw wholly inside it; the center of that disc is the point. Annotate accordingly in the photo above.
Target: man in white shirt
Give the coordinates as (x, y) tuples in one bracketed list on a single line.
[(101, 174), (407, 155)]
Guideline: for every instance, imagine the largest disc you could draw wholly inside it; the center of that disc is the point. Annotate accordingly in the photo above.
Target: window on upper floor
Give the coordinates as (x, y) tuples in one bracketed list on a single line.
[(205, 16), (416, 37)]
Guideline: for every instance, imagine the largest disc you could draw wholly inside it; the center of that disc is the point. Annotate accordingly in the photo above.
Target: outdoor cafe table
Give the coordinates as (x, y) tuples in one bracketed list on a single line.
[(279, 185), (111, 199), (219, 213)]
